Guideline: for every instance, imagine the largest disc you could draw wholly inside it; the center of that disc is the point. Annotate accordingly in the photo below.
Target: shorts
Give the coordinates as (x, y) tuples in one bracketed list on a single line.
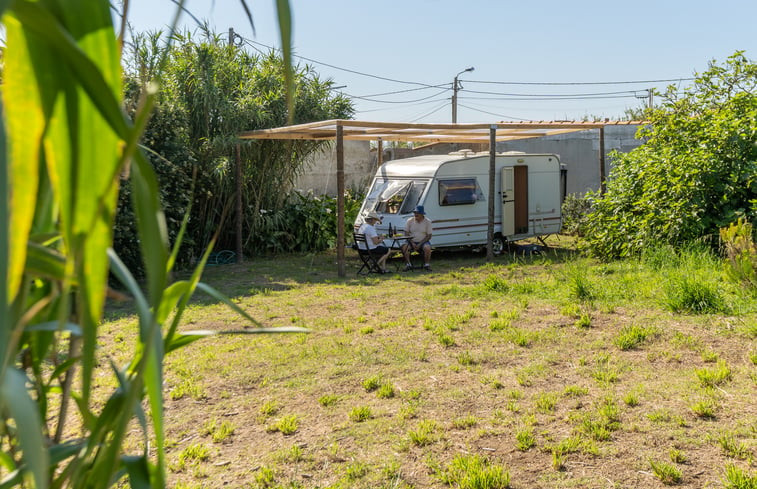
[(380, 250)]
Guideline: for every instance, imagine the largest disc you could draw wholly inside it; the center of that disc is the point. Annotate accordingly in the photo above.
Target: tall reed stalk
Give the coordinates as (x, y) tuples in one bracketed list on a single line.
[(65, 144)]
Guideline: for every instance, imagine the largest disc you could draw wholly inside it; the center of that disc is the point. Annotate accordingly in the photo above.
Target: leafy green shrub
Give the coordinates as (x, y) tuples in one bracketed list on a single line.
[(740, 251), (574, 211), (693, 175), (204, 103)]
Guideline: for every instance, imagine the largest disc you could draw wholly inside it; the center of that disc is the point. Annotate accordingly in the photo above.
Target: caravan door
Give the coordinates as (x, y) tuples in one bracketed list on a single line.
[(514, 200), (508, 201)]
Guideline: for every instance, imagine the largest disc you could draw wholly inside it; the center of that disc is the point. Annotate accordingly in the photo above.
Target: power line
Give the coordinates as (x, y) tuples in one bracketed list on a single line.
[(404, 91), (446, 99), (512, 96), (398, 101), (430, 113), (496, 115), (346, 69), (552, 95), (581, 83), (553, 99)]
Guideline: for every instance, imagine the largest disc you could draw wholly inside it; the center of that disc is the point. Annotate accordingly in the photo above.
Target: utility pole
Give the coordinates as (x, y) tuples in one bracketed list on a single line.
[(650, 93), (455, 87)]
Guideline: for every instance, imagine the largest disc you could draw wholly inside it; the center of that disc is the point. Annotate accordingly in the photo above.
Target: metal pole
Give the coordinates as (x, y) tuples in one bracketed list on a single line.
[(340, 200), (454, 101), (601, 160), (492, 166), (380, 153), (240, 258)]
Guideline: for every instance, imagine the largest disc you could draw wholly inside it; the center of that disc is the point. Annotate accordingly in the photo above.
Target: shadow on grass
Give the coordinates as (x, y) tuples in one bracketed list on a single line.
[(273, 273)]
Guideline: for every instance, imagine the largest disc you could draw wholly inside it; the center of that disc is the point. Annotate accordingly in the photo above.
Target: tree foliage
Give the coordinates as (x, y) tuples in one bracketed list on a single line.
[(211, 92), (696, 172)]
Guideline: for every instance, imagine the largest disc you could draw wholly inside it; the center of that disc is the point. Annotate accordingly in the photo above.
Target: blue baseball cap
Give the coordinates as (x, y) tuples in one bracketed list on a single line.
[(419, 210)]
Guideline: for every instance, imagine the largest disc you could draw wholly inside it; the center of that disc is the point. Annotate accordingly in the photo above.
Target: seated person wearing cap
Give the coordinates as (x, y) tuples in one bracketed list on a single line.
[(419, 229), (374, 241)]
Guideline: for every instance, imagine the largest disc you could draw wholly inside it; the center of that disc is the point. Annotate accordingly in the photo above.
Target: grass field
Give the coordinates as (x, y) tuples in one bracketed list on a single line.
[(549, 371)]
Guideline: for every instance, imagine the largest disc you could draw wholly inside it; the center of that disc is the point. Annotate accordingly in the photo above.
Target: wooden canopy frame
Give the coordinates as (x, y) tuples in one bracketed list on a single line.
[(339, 130)]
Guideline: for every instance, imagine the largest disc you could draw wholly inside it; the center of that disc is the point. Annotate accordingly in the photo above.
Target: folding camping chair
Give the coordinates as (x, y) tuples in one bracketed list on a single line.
[(370, 261)]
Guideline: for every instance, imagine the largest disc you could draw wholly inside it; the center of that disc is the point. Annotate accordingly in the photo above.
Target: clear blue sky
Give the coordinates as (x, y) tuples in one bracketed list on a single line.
[(427, 42)]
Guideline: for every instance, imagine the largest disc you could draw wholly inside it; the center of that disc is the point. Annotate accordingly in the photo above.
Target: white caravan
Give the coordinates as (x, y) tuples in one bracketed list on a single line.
[(529, 190)]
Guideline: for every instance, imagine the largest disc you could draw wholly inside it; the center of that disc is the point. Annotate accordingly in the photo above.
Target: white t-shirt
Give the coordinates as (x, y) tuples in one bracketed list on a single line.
[(370, 232)]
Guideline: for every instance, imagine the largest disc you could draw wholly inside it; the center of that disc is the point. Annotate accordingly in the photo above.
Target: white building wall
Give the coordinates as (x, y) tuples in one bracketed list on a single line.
[(579, 151), (320, 172)]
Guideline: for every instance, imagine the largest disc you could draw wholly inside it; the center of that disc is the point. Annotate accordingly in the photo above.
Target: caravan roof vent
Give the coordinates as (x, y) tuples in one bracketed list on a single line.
[(463, 152)]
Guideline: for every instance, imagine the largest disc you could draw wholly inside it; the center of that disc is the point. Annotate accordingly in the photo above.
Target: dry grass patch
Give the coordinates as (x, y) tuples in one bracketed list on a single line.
[(407, 377)]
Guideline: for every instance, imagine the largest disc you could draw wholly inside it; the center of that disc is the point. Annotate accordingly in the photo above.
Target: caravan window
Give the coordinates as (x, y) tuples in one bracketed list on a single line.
[(459, 191), (394, 196), (413, 197)]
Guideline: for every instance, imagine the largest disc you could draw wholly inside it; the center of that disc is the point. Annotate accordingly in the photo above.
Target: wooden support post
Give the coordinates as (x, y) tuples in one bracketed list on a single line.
[(240, 214), (380, 153), (340, 243), (492, 172), (602, 186)]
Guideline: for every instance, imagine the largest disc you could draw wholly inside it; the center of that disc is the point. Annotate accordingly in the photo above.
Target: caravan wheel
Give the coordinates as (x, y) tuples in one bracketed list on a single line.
[(498, 244)]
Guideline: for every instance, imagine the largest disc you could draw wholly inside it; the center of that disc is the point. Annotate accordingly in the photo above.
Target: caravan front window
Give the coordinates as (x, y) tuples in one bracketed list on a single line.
[(393, 196)]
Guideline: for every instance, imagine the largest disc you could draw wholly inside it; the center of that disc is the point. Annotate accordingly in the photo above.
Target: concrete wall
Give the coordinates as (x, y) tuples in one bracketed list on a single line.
[(579, 151), (320, 173)]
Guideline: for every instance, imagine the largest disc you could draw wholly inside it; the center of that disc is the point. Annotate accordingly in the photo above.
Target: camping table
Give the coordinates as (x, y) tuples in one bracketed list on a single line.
[(397, 241)]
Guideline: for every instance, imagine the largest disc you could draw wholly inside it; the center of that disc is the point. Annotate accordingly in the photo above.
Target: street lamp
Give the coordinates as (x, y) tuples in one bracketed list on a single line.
[(455, 87)]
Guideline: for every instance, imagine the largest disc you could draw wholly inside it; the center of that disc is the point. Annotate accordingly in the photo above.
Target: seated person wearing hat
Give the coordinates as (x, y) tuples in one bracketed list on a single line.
[(419, 229), (373, 240)]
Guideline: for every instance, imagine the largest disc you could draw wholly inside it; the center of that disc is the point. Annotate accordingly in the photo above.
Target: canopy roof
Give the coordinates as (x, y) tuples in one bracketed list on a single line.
[(341, 129), (451, 133)]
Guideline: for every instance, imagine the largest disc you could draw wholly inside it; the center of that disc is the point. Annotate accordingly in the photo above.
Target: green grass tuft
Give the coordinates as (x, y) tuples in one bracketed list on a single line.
[(686, 294), (474, 472), (710, 377), (667, 473), (632, 336), (360, 414), (735, 478)]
